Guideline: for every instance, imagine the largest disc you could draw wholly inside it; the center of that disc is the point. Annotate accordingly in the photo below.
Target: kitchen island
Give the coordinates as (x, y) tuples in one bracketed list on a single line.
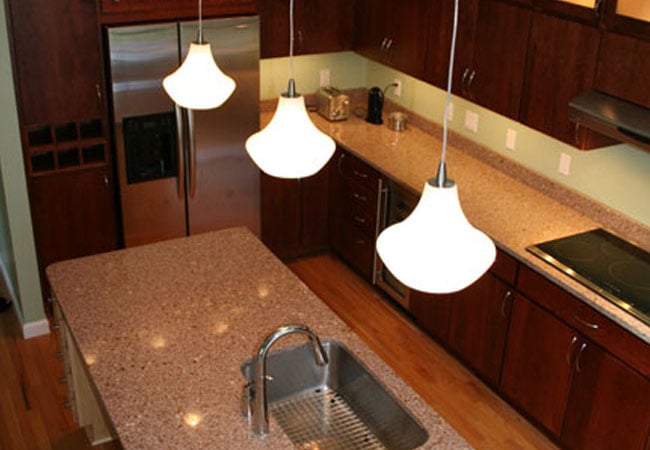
[(164, 328)]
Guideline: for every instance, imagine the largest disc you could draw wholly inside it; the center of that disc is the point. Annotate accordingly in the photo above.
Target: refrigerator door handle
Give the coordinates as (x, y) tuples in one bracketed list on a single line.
[(192, 156), (179, 145)]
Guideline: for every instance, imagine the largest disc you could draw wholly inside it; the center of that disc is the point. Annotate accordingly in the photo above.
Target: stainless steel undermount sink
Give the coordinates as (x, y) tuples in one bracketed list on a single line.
[(339, 405)]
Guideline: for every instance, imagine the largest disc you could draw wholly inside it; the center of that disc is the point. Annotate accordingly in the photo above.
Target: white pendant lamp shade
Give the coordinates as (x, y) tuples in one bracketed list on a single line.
[(199, 83), (435, 249), (290, 146)]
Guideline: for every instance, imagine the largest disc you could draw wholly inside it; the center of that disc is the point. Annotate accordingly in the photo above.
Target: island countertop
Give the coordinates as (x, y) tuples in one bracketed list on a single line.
[(164, 328)]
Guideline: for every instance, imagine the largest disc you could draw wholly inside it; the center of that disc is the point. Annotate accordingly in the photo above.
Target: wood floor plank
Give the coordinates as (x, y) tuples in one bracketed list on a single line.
[(486, 421)]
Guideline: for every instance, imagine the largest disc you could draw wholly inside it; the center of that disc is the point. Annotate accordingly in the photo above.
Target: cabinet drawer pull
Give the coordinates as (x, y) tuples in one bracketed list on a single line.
[(56, 326), (359, 241), (463, 85), (593, 326), (504, 302), (360, 174), (383, 44), (359, 197), (568, 353), (359, 219), (339, 163), (582, 348)]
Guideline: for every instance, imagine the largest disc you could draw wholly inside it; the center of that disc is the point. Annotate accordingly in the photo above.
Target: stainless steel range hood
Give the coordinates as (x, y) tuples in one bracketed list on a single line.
[(613, 117)]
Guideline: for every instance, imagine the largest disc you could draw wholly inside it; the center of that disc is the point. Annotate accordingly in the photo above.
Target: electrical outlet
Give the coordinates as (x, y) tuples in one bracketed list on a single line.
[(397, 90), (471, 121), (511, 139), (324, 77), (564, 167)]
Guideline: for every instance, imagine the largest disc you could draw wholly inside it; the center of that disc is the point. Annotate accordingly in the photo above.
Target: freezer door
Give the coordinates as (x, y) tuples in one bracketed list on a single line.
[(150, 165), (223, 182)]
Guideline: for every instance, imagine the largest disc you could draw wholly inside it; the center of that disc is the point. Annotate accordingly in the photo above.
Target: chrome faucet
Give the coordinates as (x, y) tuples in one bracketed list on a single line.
[(257, 404)]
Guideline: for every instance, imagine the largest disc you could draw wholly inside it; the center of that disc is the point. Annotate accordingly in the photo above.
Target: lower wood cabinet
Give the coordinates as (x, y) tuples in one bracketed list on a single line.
[(431, 312), (562, 368), (537, 366), (73, 214), (294, 214), (354, 193)]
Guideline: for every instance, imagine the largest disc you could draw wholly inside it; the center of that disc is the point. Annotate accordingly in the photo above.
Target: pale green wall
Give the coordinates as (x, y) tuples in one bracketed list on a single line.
[(16, 242), (618, 176)]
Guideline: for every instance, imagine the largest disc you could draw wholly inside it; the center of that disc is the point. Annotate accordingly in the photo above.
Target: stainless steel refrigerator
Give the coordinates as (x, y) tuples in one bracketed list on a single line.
[(183, 172)]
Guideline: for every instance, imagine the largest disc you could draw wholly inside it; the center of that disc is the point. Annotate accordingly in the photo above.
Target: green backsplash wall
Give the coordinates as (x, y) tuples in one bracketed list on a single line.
[(617, 176)]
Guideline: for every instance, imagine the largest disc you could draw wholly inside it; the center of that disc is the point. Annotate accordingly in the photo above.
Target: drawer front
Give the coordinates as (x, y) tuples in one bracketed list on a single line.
[(360, 206), (352, 168), (585, 319)]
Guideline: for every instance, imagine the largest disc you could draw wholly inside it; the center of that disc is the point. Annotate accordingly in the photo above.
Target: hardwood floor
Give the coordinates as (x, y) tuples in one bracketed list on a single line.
[(32, 416), (481, 417)]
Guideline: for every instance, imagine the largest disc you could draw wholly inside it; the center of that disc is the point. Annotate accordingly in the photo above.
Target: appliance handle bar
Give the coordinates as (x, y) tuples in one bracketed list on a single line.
[(179, 148), (192, 156)]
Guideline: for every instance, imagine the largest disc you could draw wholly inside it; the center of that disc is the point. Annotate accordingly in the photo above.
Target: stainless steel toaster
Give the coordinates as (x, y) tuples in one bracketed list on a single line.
[(333, 104)]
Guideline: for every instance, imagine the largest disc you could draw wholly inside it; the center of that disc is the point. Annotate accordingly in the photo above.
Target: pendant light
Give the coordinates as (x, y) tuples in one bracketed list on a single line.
[(290, 146), (199, 83), (435, 249)]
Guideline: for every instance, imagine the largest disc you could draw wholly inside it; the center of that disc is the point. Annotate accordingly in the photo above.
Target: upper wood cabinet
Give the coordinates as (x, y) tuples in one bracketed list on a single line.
[(631, 17), (624, 68), (57, 60), (125, 11), (394, 33), (586, 11), (561, 63), (320, 26)]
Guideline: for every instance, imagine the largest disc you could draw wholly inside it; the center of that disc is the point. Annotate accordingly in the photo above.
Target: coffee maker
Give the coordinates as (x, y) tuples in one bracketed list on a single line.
[(375, 106)]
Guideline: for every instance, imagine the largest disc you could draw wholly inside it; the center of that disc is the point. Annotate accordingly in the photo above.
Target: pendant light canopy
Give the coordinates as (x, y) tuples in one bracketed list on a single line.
[(199, 83), (290, 146), (435, 249)]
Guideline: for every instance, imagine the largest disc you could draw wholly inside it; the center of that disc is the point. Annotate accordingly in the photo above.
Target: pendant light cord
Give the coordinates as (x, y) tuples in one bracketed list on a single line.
[(200, 22), (441, 178)]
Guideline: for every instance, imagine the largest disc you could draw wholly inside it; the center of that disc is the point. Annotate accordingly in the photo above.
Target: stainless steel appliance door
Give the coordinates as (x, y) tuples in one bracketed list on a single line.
[(223, 182), (153, 204)]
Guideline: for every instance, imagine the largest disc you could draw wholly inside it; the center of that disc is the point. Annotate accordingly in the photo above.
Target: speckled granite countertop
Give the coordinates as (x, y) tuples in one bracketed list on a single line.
[(164, 328), (512, 205)]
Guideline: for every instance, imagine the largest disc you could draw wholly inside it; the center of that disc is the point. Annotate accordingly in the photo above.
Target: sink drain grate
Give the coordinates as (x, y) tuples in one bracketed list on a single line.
[(322, 419)]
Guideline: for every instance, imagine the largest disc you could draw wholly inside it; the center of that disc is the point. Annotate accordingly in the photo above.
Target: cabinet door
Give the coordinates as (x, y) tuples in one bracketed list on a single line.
[(586, 11), (280, 215), (536, 368), (608, 404), (479, 325), (624, 68), (631, 17), (497, 73), (561, 63), (431, 312), (322, 26), (57, 60), (73, 214), (439, 43), (393, 33)]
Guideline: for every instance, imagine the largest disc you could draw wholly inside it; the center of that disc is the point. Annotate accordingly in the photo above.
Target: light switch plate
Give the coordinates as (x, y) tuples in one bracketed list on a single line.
[(471, 121)]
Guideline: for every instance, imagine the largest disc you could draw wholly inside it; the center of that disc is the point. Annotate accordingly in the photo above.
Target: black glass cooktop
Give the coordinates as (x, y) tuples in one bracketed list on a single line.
[(614, 268)]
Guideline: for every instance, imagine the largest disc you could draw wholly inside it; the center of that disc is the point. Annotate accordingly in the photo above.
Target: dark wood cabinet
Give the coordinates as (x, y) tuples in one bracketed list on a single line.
[(57, 60), (608, 403), (586, 11), (624, 68), (320, 26), (73, 214), (537, 367), (294, 214), (628, 17), (354, 195), (431, 312), (394, 34), (561, 63), (131, 11), (495, 77), (478, 326)]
